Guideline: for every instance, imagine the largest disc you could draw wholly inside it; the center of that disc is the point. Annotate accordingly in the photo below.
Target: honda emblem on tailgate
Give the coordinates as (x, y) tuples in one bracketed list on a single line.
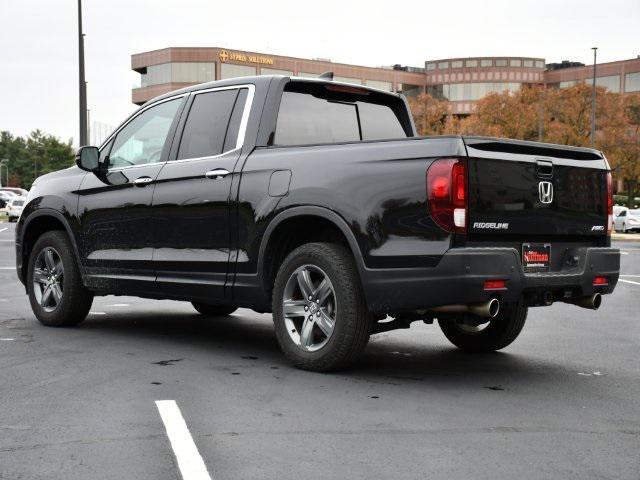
[(545, 191)]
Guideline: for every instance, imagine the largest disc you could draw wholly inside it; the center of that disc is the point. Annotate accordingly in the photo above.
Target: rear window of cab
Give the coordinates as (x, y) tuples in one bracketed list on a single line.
[(318, 113)]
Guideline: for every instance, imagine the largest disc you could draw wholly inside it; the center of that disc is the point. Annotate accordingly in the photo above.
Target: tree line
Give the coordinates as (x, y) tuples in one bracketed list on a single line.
[(549, 115), (32, 156)]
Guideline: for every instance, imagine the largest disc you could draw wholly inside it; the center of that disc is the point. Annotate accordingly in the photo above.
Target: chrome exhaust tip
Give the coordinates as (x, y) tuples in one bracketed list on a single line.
[(591, 302), (488, 309)]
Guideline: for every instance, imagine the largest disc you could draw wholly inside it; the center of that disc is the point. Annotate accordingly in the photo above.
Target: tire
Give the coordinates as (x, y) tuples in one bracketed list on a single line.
[(497, 334), (74, 299), (339, 332), (210, 310)]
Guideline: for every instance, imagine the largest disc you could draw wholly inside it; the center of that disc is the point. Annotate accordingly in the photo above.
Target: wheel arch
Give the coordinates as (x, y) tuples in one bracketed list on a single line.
[(281, 223), (38, 223)]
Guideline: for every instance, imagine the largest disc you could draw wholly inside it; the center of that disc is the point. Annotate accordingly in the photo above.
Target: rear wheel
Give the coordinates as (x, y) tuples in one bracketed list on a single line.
[(320, 316), (499, 332), (211, 310), (56, 293)]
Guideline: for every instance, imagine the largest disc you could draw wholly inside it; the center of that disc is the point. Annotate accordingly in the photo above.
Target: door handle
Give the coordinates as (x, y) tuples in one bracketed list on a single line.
[(142, 181), (217, 173)]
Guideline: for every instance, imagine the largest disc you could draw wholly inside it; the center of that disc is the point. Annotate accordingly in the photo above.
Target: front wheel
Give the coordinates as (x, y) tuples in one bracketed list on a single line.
[(499, 332), (320, 315), (56, 293)]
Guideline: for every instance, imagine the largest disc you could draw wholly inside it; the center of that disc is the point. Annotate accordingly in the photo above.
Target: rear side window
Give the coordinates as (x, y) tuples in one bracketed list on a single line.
[(207, 127), (324, 113)]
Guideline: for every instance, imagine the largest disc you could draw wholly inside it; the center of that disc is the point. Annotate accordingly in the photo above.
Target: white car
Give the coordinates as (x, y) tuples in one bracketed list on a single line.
[(15, 208), (627, 221)]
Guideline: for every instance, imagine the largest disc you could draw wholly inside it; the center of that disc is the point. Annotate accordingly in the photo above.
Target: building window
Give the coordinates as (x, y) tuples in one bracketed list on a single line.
[(431, 66), (501, 62), (443, 65), (307, 75), (632, 82), (487, 62), (528, 63), (568, 84), (275, 71), (539, 63), (515, 63), (354, 81), (471, 63), (386, 86), (229, 70), (456, 64), (475, 91), (611, 83), (178, 72)]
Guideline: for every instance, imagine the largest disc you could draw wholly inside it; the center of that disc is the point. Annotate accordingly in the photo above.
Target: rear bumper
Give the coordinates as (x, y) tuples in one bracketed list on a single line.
[(459, 279)]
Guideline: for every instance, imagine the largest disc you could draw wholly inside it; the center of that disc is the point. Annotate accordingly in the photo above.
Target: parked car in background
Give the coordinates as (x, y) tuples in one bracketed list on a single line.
[(14, 208), (627, 221), (15, 190), (618, 209), (5, 198)]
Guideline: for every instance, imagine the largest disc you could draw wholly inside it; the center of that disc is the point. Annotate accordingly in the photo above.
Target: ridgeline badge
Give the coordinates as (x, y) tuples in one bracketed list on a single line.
[(226, 56)]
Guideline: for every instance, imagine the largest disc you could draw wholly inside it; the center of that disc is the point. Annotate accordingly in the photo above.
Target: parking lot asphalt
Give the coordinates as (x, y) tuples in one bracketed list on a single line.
[(563, 401)]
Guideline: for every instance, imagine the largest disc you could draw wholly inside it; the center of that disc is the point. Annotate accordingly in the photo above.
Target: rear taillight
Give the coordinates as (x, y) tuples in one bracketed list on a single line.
[(447, 193), (609, 204), (600, 280)]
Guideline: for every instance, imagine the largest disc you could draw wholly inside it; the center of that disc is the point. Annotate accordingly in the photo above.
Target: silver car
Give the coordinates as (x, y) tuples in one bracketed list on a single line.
[(627, 221), (14, 209)]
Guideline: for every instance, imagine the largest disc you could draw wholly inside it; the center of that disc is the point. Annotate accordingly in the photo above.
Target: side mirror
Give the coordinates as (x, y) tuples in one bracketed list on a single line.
[(87, 158)]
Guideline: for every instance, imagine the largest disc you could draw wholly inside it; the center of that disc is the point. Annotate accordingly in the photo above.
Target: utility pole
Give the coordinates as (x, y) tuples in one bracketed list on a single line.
[(82, 85), (593, 100)]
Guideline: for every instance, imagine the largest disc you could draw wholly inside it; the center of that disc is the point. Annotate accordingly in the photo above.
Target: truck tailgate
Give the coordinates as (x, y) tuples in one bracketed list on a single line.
[(527, 190)]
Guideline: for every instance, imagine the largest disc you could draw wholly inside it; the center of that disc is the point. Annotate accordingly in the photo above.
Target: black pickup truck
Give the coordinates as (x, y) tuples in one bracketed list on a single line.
[(316, 201)]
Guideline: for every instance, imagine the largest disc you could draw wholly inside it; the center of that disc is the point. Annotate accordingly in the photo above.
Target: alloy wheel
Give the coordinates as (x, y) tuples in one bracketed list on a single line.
[(48, 279), (309, 307)]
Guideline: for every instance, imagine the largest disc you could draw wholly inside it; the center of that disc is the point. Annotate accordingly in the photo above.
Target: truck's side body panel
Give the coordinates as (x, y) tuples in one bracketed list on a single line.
[(377, 188)]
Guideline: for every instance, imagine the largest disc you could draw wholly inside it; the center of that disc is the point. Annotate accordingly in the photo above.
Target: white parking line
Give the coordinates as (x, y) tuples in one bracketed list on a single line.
[(636, 276), (190, 462), (3, 229), (628, 281), (7, 268)]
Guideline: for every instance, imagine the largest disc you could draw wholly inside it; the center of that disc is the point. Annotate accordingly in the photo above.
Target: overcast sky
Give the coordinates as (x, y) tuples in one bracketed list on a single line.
[(39, 53)]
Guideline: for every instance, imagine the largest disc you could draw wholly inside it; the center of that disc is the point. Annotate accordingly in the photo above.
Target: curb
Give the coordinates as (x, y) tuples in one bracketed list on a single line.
[(625, 237)]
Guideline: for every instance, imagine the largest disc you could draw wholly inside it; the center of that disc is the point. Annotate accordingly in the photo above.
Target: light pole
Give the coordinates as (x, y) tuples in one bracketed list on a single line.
[(593, 100), (82, 85), (3, 163)]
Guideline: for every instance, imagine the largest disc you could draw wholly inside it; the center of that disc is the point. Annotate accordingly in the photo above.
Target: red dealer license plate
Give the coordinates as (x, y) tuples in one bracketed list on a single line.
[(536, 257)]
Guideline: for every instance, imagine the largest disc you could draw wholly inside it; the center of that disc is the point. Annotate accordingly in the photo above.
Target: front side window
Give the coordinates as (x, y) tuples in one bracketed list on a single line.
[(141, 141), (207, 126)]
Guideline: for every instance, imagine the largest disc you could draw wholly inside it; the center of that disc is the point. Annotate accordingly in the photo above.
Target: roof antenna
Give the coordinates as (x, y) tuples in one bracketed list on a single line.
[(327, 76)]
